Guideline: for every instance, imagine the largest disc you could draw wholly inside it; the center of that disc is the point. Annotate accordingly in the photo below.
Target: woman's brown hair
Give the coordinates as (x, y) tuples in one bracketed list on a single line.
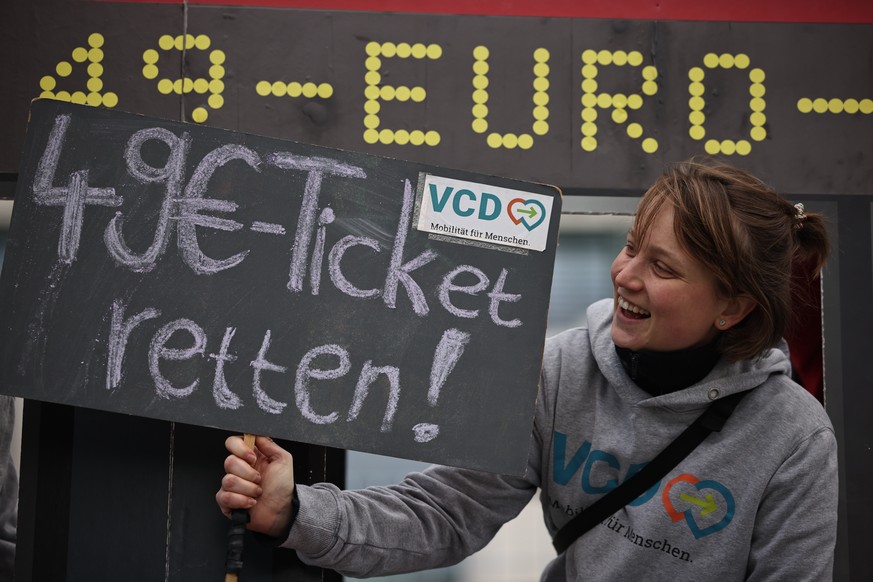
[(747, 235)]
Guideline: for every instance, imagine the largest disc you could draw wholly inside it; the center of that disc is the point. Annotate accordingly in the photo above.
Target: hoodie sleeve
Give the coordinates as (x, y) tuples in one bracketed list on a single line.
[(431, 519), (796, 527)]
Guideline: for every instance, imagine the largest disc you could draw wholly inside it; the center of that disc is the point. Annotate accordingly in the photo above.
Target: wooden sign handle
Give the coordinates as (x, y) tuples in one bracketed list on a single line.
[(236, 533)]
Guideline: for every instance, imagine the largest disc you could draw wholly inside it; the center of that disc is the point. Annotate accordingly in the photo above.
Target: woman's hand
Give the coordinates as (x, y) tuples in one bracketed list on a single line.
[(260, 480)]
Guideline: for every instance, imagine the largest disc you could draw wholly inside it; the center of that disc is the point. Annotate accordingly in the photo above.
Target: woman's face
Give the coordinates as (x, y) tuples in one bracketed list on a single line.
[(664, 298)]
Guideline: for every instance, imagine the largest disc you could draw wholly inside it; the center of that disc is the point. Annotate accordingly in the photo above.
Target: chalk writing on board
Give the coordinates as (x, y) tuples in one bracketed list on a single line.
[(73, 197), (446, 356), (184, 205)]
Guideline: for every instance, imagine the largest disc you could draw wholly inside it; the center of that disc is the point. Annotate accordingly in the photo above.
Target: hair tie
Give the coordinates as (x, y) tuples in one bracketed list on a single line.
[(799, 215)]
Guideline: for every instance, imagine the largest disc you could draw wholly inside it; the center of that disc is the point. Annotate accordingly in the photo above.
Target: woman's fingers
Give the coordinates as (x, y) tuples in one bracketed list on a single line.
[(233, 484), (241, 468), (228, 501), (236, 446)]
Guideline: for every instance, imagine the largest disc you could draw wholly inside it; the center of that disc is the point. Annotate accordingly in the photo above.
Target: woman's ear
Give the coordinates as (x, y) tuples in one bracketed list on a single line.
[(737, 309)]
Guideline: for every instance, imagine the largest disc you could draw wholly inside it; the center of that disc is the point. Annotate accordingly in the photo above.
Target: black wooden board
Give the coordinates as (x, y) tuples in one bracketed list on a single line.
[(215, 278)]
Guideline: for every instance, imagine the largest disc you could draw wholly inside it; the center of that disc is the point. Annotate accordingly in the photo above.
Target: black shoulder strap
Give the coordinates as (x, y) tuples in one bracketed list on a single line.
[(712, 420)]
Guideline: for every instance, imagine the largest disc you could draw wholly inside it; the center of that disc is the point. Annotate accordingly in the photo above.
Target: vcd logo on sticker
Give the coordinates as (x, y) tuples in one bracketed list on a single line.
[(484, 212)]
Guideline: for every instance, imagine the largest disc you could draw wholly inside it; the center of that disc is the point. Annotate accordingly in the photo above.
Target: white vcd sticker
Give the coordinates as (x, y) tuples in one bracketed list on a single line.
[(484, 212)]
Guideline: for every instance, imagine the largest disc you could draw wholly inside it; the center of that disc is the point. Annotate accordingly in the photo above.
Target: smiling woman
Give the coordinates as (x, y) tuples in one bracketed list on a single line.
[(667, 300), (739, 235), (702, 295)]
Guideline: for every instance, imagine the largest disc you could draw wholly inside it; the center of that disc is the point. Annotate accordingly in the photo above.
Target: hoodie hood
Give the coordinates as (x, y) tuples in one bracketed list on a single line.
[(724, 379)]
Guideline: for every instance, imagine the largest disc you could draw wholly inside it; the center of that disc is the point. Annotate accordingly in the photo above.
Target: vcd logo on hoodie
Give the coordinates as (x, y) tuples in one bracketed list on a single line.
[(483, 212)]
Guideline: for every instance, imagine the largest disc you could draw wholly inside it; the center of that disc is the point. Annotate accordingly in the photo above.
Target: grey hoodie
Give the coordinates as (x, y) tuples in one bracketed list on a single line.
[(757, 501)]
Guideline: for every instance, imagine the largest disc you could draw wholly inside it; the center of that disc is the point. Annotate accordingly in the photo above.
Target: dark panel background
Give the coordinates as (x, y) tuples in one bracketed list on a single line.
[(799, 60), (105, 496)]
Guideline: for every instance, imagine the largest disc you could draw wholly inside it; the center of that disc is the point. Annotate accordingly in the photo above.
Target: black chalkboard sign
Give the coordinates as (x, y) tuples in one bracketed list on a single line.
[(192, 274)]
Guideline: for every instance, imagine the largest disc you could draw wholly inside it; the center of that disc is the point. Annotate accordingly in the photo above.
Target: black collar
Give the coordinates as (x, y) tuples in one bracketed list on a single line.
[(664, 372)]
